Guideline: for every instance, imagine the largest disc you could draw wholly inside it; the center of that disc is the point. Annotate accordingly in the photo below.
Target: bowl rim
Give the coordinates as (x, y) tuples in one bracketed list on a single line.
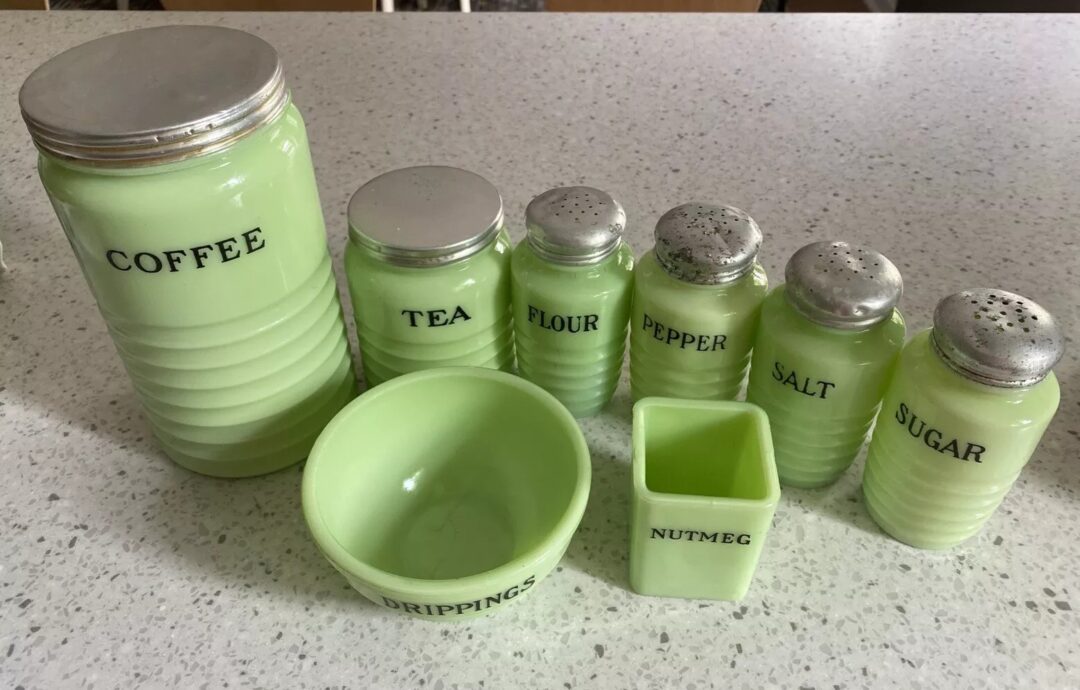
[(380, 579)]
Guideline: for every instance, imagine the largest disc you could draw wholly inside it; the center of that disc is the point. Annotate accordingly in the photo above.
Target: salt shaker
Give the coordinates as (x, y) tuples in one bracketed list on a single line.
[(697, 296), (826, 345), (572, 282), (968, 404)]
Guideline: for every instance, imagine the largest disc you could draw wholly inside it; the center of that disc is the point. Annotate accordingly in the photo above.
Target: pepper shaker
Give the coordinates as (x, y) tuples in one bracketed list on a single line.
[(826, 345), (968, 404), (697, 297), (572, 277)]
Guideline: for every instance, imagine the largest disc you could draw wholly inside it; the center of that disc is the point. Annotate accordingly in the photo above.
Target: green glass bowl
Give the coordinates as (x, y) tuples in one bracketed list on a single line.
[(449, 492)]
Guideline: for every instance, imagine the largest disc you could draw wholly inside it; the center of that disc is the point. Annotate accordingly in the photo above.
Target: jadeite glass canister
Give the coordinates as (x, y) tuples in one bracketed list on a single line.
[(697, 296), (428, 264), (968, 404), (573, 277), (180, 172), (826, 345)]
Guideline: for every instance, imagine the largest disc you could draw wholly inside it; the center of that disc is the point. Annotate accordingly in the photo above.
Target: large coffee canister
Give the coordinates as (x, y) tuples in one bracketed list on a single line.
[(179, 169), (697, 296), (968, 404), (428, 264), (826, 345), (573, 277)]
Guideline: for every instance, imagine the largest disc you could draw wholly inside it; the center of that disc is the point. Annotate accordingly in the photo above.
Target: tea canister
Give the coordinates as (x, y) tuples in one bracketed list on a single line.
[(573, 276), (428, 266), (826, 345), (968, 404), (697, 296), (186, 190)]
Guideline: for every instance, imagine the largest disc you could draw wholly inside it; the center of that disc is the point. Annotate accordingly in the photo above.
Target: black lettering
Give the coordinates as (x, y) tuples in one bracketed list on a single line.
[(778, 371), (936, 443), (702, 343), (443, 609), (952, 448), (154, 261), (390, 603), (558, 324), (672, 334), (529, 582), (437, 317), (227, 249), (491, 601), (686, 339), (901, 413), (510, 593), (729, 538), (976, 450), (911, 426), (533, 313), (116, 252), (459, 313), (793, 381), (412, 314), (825, 386), (251, 237), (718, 341), (573, 324), (173, 256), (705, 536), (646, 321), (462, 608), (743, 539), (201, 253), (657, 533), (411, 608)]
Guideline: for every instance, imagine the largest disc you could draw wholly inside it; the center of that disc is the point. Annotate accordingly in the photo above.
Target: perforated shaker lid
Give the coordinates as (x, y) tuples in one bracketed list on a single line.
[(427, 215), (574, 225), (153, 95), (706, 244), (840, 285), (997, 337)]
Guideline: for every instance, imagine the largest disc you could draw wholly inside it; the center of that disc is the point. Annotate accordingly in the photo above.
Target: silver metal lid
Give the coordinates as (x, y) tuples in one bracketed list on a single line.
[(840, 285), (153, 95), (706, 244), (574, 225), (428, 215), (996, 337)]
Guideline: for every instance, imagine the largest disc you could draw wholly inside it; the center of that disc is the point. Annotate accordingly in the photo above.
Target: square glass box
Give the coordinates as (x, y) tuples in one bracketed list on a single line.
[(705, 489)]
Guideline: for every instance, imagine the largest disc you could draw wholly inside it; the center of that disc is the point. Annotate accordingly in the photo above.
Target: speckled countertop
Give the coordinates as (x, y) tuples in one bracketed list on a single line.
[(951, 144)]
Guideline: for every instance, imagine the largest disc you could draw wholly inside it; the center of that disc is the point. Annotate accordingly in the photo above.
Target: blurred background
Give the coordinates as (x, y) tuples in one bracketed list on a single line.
[(557, 5)]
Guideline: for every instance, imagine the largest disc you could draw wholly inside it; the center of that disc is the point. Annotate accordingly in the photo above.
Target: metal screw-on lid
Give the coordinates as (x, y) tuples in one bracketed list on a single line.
[(153, 95), (843, 286), (996, 337), (427, 215), (706, 244), (574, 225)]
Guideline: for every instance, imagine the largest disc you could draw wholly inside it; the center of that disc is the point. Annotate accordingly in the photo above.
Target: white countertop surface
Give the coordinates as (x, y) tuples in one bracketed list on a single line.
[(949, 143)]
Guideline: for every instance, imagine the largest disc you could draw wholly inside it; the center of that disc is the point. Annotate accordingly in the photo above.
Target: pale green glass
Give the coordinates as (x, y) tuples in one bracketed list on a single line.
[(240, 363), (692, 341), (820, 386), (461, 519), (414, 318), (570, 325), (947, 449), (704, 493)]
